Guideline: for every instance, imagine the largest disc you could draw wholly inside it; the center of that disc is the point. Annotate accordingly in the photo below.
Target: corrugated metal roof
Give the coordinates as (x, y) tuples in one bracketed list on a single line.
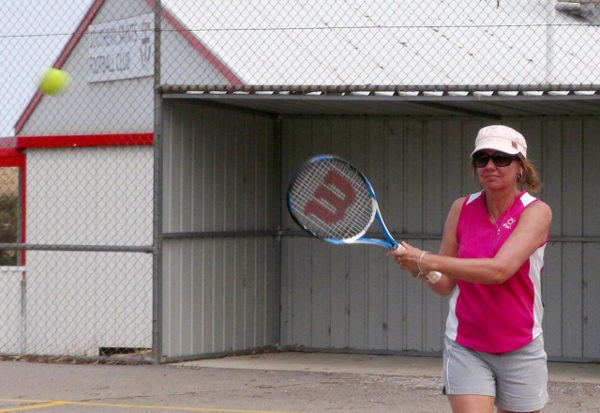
[(383, 42), (304, 100), (382, 57)]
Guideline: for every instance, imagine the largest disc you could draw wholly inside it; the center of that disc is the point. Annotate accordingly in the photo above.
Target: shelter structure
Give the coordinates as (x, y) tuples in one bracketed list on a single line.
[(174, 173)]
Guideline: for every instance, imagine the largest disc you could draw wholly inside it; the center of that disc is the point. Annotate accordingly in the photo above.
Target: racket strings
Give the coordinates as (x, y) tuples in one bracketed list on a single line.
[(331, 199)]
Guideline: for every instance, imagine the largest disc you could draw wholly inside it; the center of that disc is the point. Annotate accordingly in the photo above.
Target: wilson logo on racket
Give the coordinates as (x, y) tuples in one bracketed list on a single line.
[(343, 202), (329, 205)]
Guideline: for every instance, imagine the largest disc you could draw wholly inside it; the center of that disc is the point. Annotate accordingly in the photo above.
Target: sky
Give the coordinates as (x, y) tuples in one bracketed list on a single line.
[(32, 35)]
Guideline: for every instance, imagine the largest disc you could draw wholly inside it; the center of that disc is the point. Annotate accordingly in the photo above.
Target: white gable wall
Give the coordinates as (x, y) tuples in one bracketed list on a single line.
[(107, 107)]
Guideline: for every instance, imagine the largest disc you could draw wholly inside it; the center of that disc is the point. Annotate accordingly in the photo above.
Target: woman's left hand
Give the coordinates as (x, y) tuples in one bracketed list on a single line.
[(406, 257)]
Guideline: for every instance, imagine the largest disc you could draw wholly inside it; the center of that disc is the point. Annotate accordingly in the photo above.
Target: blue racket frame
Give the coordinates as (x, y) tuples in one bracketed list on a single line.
[(388, 241)]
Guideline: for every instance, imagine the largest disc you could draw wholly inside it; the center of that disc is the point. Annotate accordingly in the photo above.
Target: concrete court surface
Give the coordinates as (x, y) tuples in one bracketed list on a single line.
[(290, 382)]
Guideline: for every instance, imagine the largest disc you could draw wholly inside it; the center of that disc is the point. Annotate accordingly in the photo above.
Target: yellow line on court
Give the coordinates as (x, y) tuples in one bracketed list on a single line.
[(174, 408), (31, 406), (40, 404)]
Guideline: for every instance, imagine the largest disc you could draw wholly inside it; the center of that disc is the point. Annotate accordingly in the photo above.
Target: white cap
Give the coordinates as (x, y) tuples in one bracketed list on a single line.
[(501, 138)]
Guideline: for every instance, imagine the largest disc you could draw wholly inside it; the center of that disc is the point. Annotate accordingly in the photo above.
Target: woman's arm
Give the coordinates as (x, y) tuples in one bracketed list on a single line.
[(531, 232), (449, 247)]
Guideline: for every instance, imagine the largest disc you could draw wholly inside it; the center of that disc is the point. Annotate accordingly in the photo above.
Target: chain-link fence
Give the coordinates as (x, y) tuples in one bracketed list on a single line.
[(79, 223), (390, 44), (79, 204)]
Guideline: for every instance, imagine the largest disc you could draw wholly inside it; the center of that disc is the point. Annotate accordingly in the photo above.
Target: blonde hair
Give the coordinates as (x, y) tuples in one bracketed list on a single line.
[(529, 178)]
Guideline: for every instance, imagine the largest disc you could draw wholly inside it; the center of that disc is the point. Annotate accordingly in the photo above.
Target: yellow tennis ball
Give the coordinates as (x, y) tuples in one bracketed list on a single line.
[(54, 81)]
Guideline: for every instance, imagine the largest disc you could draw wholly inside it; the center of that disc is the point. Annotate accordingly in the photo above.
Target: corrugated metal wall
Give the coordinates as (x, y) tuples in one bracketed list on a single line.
[(221, 211), (570, 149), (354, 297), (223, 285)]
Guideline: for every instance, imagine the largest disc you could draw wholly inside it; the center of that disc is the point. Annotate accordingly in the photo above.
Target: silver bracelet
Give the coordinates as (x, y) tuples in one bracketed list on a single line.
[(420, 263)]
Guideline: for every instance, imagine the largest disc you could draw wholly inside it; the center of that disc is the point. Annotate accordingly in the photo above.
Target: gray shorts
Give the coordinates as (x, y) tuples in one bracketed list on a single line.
[(518, 380)]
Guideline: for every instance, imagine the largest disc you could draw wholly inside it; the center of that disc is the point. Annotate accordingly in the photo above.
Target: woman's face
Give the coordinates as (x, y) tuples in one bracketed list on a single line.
[(496, 170)]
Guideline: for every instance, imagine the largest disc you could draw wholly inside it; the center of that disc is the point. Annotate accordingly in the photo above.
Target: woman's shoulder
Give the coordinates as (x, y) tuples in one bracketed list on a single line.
[(465, 200), (458, 203), (457, 206), (538, 211), (530, 201)]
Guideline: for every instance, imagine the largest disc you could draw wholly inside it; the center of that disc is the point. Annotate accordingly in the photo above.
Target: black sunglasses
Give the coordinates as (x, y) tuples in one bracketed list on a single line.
[(481, 159)]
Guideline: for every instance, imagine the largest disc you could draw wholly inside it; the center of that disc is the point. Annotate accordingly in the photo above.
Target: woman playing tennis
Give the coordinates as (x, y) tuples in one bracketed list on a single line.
[(491, 259)]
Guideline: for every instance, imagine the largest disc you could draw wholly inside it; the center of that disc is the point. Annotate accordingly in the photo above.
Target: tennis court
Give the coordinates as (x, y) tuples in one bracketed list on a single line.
[(273, 383)]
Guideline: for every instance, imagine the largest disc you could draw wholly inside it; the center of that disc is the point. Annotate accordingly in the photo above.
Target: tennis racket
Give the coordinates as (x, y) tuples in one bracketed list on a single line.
[(335, 202)]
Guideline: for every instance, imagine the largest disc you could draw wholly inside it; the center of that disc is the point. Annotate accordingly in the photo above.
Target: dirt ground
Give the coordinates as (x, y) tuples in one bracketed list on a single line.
[(260, 386)]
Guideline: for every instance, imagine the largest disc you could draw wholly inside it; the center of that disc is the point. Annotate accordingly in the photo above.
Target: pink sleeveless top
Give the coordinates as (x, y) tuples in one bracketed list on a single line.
[(495, 318)]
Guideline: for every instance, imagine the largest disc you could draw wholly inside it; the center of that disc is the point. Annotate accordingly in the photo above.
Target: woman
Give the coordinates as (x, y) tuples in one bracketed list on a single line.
[(491, 258)]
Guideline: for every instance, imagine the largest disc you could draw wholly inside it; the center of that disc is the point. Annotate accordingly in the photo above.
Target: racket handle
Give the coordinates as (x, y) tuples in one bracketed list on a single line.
[(432, 276)]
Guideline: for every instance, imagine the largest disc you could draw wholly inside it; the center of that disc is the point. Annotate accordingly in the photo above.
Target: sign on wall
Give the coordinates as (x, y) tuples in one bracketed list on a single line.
[(121, 49)]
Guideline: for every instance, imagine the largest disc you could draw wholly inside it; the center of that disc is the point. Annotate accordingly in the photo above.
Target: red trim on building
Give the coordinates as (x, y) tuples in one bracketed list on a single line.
[(204, 51), (12, 154), (82, 28), (10, 158), (8, 143), (23, 195), (70, 141), (60, 61)]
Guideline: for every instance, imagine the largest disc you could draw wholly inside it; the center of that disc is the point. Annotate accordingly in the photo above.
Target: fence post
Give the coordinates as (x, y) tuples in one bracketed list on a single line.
[(157, 320)]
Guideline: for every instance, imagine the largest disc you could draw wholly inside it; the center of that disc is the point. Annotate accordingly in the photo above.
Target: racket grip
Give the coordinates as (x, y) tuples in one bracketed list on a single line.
[(432, 276)]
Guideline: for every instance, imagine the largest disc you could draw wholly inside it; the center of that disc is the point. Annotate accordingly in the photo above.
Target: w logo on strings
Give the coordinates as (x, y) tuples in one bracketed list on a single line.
[(331, 199)]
